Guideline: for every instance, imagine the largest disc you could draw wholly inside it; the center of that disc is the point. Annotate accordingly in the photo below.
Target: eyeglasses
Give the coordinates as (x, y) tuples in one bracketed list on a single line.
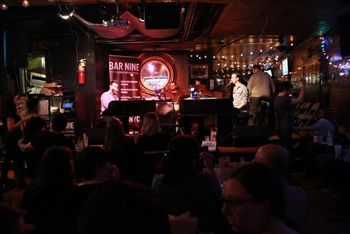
[(233, 203)]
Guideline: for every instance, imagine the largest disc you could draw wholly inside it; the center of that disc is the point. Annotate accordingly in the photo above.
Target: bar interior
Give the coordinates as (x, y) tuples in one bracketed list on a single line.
[(204, 105)]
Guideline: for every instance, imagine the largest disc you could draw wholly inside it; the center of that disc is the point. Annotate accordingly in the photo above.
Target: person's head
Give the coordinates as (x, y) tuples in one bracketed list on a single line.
[(285, 87), (172, 86), (93, 164), (275, 157), (234, 78), (114, 133), (56, 167), (256, 68), (32, 127), (182, 161), (119, 208), (197, 82), (150, 124), (113, 86), (184, 147), (252, 195), (58, 122)]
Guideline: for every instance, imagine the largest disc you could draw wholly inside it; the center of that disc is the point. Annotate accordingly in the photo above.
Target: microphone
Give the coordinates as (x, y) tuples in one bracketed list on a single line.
[(229, 83)]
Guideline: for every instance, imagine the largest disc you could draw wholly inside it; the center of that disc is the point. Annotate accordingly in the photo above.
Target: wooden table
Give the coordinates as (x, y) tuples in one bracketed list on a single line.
[(238, 150)]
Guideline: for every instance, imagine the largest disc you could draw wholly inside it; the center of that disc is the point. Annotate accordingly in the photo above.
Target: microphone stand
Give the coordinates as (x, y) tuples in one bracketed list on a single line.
[(228, 84)]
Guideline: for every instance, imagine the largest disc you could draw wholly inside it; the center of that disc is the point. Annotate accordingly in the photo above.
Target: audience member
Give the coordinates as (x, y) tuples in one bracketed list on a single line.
[(121, 148), (254, 201), (322, 127), (260, 86), (151, 146), (44, 139), (12, 125), (45, 195), (93, 167), (185, 187), (35, 125), (152, 138), (277, 159), (283, 111), (93, 171), (119, 208), (55, 136)]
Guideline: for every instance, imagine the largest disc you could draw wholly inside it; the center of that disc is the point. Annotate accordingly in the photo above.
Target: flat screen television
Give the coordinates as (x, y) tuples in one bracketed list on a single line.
[(285, 67), (67, 105)]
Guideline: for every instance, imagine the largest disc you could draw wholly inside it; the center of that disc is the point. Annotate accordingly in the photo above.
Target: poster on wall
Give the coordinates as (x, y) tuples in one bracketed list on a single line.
[(126, 71)]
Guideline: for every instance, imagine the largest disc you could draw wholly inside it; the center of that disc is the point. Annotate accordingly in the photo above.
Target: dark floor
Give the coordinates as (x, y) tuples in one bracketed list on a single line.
[(328, 191)]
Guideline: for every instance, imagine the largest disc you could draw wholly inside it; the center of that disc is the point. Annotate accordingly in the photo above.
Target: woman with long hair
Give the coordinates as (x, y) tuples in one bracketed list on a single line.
[(121, 148)]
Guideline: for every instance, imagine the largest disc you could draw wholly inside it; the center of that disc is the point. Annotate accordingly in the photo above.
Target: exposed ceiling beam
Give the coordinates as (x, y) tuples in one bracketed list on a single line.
[(85, 2)]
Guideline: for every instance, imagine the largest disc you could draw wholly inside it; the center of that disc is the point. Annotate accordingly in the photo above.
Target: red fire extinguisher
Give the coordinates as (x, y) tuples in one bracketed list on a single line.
[(82, 71)]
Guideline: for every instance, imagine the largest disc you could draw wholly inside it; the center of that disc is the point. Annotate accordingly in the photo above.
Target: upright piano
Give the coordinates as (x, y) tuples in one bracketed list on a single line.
[(206, 106)]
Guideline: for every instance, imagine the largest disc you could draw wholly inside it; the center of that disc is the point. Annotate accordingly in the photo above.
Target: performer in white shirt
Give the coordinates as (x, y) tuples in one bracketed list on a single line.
[(239, 93), (110, 95)]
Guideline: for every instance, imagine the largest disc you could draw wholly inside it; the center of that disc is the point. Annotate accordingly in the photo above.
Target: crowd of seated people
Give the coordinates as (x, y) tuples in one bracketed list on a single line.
[(115, 188)]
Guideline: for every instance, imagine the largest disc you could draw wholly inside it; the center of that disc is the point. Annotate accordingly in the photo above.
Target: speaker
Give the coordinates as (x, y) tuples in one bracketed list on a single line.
[(344, 34), (162, 15)]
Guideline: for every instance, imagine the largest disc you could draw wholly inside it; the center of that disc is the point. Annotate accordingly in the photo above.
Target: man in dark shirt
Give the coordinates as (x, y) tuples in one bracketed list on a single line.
[(173, 92), (45, 139), (283, 111)]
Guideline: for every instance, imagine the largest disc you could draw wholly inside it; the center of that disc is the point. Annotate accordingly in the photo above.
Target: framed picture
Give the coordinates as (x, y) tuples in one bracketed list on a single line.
[(199, 71)]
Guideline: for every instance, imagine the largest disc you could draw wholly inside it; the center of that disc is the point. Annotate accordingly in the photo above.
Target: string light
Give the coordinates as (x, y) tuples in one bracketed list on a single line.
[(3, 6), (25, 3), (338, 65)]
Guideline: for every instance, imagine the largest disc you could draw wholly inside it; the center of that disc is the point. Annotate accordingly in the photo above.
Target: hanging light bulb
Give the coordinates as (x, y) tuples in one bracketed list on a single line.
[(25, 3), (3, 6), (65, 13)]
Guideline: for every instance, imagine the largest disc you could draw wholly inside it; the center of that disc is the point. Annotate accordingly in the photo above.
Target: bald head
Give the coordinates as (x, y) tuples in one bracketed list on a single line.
[(274, 156)]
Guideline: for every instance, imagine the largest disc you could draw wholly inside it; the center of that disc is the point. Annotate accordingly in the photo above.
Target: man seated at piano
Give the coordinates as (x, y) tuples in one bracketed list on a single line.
[(173, 92), (201, 89), (110, 95)]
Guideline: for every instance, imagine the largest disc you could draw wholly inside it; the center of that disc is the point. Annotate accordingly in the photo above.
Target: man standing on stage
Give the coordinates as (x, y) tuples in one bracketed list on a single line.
[(110, 95), (260, 86), (239, 93)]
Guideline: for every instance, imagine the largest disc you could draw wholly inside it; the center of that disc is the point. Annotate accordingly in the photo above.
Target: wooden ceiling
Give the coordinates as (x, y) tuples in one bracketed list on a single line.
[(235, 31)]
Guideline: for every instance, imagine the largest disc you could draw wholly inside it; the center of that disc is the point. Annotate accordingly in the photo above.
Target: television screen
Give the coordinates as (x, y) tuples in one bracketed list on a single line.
[(67, 105), (285, 70)]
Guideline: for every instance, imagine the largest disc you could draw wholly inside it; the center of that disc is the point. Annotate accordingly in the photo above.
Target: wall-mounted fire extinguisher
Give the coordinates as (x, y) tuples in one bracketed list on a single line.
[(81, 71)]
